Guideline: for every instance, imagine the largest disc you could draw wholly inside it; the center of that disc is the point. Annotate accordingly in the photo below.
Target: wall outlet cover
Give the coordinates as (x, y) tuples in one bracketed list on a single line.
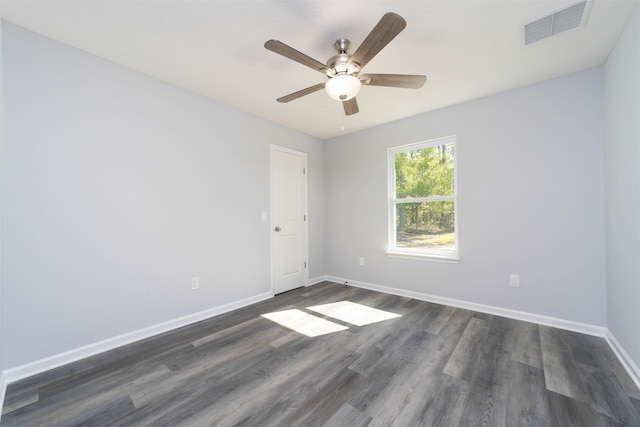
[(514, 280)]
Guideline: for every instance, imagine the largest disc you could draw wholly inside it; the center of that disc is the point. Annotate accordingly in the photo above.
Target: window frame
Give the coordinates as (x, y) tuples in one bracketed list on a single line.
[(392, 249)]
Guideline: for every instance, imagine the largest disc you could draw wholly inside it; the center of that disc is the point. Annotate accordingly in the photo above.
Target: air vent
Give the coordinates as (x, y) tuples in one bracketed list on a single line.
[(553, 24)]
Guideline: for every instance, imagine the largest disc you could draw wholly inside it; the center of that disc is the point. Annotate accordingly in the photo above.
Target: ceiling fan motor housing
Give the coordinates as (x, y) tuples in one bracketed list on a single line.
[(340, 62)]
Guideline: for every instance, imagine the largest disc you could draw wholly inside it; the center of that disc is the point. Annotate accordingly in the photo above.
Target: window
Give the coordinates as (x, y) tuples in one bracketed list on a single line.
[(422, 200)]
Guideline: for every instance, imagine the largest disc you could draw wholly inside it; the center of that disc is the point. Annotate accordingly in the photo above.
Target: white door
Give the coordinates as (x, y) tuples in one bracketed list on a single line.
[(288, 219)]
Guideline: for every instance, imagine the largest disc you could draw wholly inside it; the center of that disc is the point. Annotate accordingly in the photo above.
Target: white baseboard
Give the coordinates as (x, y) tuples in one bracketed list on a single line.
[(24, 371), (625, 359), (316, 280), (498, 311)]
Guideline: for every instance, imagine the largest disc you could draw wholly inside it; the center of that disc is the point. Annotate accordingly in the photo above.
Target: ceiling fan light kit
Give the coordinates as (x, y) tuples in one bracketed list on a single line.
[(343, 87), (343, 69)]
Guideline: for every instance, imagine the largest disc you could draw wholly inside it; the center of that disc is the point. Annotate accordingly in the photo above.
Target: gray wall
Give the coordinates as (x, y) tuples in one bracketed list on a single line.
[(1, 211), (530, 201), (118, 189), (622, 96)]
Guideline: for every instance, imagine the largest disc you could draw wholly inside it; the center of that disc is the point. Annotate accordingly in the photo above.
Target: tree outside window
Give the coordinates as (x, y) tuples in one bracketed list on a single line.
[(423, 198)]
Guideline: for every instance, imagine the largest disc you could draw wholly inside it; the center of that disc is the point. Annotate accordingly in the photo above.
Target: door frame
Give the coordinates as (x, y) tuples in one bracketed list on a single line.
[(305, 208)]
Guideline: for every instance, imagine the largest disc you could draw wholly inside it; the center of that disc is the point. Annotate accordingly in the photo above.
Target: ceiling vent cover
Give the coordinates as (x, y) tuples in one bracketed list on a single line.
[(553, 24)]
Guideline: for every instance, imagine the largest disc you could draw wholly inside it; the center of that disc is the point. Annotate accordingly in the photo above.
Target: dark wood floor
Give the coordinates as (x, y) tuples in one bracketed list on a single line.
[(434, 366)]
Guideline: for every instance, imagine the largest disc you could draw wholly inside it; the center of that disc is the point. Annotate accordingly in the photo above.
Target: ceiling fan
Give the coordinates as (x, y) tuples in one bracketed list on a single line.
[(343, 69)]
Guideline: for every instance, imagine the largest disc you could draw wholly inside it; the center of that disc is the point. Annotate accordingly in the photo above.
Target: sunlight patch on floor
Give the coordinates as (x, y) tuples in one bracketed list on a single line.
[(354, 313), (345, 311), (304, 323)]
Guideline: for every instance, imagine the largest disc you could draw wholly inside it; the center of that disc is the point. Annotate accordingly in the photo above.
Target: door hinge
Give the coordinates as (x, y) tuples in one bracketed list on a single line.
[(304, 171), (304, 217), (305, 264)]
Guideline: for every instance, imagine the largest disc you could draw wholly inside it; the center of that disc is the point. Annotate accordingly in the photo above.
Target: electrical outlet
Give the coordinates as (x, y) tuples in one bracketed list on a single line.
[(514, 280), (195, 283), (361, 260)]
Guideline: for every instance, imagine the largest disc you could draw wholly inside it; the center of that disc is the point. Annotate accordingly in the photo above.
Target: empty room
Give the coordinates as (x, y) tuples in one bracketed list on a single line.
[(320, 213)]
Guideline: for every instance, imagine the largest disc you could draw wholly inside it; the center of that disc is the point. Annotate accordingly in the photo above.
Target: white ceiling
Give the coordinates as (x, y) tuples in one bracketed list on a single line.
[(467, 48)]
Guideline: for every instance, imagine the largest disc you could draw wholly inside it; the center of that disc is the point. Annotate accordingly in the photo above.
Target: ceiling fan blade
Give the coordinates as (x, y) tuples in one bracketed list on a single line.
[(385, 30), (300, 93), (289, 52), (350, 106), (408, 81)]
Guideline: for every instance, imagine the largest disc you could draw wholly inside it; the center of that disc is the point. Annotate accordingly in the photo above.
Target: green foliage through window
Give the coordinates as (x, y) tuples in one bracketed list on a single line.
[(424, 202), (425, 172)]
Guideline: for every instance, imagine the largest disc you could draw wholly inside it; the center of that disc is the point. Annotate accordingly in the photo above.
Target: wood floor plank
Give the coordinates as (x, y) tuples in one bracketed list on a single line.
[(106, 413), (376, 383), (396, 398), (289, 378), (568, 412), (527, 348), (89, 400), (445, 403), (527, 403), (595, 352), (369, 362), (16, 401), (214, 367), (234, 331), (489, 386), (348, 416), (464, 357), (406, 391), (442, 314), (331, 397), (432, 366), (561, 371), (607, 397)]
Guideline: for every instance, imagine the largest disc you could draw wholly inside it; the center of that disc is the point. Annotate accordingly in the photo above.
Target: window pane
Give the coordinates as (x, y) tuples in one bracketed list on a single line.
[(425, 172), (427, 226)]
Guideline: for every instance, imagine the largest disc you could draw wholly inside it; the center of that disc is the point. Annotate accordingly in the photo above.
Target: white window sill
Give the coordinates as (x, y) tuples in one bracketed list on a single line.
[(424, 257)]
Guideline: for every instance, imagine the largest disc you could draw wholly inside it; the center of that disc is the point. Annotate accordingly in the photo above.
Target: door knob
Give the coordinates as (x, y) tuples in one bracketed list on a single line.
[(277, 229)]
